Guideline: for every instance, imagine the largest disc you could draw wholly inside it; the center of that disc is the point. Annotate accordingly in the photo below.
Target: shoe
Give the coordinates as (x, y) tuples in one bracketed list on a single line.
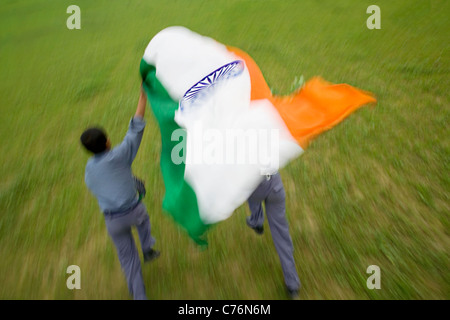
[(151, 255), (294, 294), (259, 229)]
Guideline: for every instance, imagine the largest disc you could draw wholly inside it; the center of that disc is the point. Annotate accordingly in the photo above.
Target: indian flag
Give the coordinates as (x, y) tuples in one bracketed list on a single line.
[(222, 130)]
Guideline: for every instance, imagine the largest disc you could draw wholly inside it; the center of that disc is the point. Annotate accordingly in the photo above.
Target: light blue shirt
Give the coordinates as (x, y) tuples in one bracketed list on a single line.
[(108, 174)]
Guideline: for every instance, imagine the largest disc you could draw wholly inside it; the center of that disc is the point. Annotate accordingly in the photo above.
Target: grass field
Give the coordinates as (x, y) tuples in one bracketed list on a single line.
[(372, 191)]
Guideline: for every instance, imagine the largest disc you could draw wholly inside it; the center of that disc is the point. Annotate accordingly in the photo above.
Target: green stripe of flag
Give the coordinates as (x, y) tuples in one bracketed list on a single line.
[(180, 200)]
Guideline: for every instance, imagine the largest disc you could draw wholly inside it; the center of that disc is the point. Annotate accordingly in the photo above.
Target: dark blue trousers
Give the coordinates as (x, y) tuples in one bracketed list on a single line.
[(272, 193), (119, 228)]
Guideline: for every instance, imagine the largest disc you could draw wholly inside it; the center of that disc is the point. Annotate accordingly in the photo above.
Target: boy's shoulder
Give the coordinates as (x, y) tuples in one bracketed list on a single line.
[(112, 156), (89, 163)]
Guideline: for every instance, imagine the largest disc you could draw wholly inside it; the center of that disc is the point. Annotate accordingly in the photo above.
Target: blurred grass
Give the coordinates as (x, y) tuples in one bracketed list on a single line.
[(374, 190)]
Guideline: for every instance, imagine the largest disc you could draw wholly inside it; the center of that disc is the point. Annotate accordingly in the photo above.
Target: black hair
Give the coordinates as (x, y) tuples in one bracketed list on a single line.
[(94, 139)]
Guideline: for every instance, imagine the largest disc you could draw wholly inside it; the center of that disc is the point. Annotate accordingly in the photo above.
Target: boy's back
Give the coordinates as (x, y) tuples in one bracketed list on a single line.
[(108, 174)]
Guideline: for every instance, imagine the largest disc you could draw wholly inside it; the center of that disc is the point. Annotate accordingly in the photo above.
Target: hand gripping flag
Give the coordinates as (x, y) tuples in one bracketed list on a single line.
[(221, 128)]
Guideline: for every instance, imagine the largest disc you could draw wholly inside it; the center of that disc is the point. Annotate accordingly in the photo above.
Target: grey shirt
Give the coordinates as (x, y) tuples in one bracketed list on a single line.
[(108, 174)]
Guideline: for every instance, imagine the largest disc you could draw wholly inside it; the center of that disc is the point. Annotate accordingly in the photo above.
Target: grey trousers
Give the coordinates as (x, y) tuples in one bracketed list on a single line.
[(273, 194), (119, 229)]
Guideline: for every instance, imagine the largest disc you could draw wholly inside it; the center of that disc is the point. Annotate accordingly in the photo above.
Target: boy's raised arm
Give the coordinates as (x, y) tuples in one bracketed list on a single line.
[(140, 111)]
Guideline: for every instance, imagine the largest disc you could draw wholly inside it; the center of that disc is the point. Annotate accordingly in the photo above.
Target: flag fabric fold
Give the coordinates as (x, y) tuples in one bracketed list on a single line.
[(221, 128)]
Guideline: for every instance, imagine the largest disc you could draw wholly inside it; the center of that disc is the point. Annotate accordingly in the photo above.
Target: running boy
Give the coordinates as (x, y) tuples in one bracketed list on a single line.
[(109, 177)]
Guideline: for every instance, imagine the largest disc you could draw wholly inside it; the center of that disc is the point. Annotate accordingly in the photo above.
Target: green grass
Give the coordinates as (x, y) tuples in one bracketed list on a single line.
[(373, 190)]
